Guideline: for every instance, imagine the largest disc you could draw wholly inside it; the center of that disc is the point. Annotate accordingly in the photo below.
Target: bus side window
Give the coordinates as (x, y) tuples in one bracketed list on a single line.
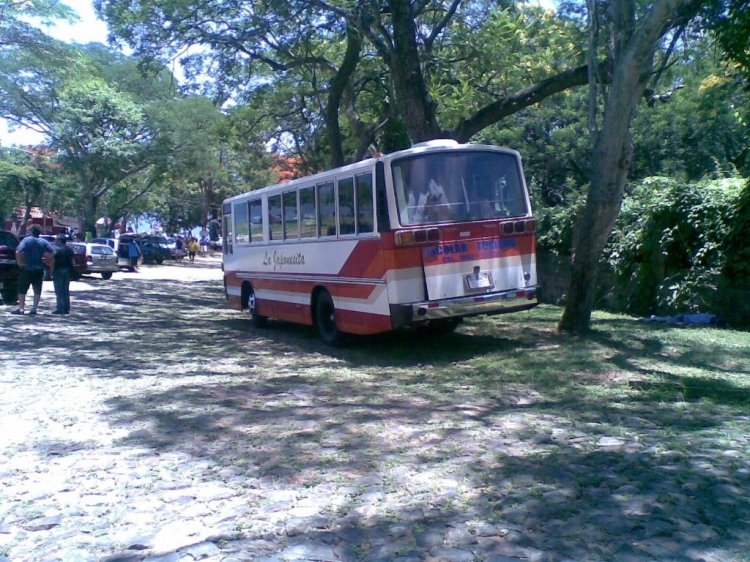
[(275, 218), (364, 204), (242, 222), (326, 210), (291, 215), (308, 214), (346, 205), (381, 200), (256, 221)]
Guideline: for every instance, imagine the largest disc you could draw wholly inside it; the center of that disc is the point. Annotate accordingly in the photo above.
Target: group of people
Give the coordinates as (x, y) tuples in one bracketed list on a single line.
[(33, 255), (193, 247)]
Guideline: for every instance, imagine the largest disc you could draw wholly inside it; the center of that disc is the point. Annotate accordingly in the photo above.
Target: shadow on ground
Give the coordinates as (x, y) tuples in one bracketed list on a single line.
[(586, 449)]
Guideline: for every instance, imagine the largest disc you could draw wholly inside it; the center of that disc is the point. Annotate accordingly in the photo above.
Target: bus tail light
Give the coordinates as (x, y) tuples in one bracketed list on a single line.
[(412, 237), (518, 227)]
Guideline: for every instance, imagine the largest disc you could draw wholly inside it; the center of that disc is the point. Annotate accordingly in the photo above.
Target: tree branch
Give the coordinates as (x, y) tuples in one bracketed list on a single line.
[(442, 24), (507, 105)]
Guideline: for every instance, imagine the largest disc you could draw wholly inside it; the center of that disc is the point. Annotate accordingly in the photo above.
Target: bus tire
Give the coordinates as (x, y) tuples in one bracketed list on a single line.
[(251, 302), (106, 275), (325, 319)]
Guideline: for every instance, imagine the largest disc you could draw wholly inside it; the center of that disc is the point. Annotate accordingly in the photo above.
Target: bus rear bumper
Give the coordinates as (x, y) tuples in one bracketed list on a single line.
[(490, 303)]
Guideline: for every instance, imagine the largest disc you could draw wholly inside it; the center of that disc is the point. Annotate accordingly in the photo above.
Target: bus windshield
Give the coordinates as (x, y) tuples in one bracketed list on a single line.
[(458, 186)]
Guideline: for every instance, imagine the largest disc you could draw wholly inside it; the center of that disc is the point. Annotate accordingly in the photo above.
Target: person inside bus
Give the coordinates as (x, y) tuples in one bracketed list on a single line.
[(430, 204)]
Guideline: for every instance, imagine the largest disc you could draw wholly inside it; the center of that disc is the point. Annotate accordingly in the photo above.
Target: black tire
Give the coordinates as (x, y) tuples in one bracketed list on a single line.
[(256, 319), (325, 320), (106, 275), (159, 261)]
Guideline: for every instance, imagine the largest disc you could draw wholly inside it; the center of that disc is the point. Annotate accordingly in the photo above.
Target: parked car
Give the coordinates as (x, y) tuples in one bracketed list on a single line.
[(102, 259), (9, 269), (162, 250), (120, 247), (79, 258), (151, 249)]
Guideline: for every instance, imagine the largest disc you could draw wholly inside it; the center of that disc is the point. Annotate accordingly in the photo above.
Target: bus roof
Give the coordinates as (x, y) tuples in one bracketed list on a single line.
[(437, 145)]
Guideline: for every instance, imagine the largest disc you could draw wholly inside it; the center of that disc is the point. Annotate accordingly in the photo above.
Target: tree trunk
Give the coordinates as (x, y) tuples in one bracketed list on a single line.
[(88, 214), (633, 61), (338, 85), (413, 100)]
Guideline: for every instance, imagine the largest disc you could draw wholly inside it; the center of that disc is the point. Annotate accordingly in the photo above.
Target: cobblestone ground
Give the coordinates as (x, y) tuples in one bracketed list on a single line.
[(154, 424)]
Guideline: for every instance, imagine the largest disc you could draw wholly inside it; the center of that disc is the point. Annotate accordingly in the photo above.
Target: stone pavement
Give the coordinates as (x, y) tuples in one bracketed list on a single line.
[(154, 424)]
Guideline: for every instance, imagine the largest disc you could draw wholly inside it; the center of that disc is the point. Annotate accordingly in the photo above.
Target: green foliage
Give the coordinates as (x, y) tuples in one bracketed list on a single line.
[(482, 60), (99, 127), (668, 248), (701, 128), (555, 226), (20, 180), (731, 22), (737, 267), (734, 286)]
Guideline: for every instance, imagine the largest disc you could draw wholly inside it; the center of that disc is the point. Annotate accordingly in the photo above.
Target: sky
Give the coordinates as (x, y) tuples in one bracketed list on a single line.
[(88, 29)]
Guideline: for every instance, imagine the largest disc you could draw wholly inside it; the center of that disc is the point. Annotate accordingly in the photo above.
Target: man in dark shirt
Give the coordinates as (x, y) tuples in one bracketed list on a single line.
[(64, 266), (31, 255)]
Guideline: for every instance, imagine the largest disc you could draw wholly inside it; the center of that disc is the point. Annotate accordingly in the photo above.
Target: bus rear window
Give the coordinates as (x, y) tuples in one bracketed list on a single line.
[(458, 186)]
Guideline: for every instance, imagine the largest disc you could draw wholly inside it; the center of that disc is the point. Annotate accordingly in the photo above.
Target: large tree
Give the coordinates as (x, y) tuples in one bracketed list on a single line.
[(635, 36), (321, 47)]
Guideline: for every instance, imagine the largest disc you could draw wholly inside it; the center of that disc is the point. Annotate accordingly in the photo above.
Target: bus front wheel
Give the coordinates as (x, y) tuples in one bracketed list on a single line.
[(325, 319), (257, 320)]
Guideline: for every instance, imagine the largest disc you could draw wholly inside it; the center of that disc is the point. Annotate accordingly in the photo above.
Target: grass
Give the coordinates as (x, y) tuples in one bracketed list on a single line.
[(582, 444)]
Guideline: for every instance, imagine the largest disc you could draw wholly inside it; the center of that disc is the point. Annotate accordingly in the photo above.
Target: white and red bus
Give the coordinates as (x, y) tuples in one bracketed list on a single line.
[(421, 237)]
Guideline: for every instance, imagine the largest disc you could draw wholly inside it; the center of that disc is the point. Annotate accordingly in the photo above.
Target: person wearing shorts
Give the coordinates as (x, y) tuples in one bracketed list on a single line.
[(31, 255)]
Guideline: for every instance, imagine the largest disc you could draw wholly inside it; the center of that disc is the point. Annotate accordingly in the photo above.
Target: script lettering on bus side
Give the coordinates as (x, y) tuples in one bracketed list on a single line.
[(279, 260)]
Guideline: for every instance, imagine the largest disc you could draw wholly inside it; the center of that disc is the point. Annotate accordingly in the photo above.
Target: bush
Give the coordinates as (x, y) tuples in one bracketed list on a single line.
[(667, 251), (734, 285), (676, 247)]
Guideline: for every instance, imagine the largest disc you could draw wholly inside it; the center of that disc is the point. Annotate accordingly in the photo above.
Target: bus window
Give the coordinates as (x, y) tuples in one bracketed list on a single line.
[(291, 216), (326, 210), (445, 187), (276, 231), (241, 223), (256, 221), (308, 215), (228, 233), (346, 205), (364, 204)]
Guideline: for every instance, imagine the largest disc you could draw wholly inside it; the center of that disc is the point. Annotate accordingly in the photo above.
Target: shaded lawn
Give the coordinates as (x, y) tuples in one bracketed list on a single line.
[(593, 447)]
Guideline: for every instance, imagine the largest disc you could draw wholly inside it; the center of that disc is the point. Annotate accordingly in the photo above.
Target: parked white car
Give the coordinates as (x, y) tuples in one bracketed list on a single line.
[(102, 259)]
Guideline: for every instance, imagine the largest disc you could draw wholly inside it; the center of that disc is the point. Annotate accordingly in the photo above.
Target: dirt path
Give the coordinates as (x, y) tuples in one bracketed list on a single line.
[(155, 424)]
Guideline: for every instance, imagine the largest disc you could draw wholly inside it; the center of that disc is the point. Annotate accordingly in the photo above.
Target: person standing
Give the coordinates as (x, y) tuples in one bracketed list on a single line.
[(192, 249), (179, 250), (204, 245), (61, 273), (134, 252), (32, 254)]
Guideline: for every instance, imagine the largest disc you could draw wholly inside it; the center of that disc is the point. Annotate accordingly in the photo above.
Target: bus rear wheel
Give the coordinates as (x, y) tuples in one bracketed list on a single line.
[(325, 319), (257, 320)]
